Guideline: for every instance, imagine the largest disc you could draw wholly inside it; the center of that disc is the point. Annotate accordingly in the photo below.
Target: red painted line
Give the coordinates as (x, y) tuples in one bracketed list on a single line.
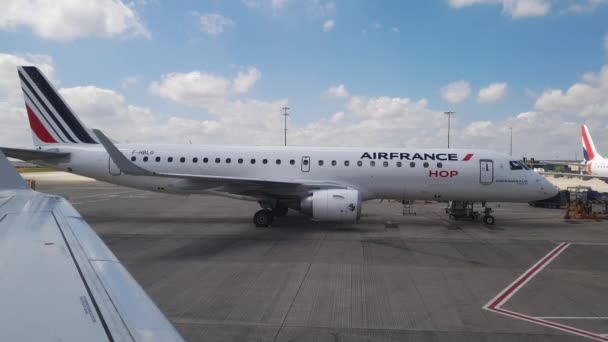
[(528, 275), (551, 324)]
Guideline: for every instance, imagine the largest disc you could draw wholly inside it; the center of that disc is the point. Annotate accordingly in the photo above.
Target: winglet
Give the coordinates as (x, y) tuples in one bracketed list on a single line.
[(124, 164), (9, 178)]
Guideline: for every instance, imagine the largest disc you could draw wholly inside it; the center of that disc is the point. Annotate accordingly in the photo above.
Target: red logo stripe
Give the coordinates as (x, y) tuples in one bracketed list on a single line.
[(38, 127), (588, 147), (468, 157)]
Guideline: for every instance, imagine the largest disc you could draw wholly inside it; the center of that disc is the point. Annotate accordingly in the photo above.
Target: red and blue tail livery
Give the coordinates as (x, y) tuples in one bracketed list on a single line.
[(51, 119), (589, 151)]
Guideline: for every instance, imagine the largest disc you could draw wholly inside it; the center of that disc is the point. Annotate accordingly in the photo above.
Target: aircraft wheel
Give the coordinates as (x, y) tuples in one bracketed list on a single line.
[(488, 219), (280, 211), (263, 218)]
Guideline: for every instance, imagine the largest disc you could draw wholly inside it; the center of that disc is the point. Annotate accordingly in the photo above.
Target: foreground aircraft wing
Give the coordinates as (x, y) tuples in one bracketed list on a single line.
[(575, 175), (59, 281), (27, 154), (130, 168)]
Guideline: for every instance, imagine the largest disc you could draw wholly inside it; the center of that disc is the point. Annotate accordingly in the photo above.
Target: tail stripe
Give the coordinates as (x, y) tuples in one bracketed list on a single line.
[(41, 132), (46, 109), (57, 103), (29, 103)]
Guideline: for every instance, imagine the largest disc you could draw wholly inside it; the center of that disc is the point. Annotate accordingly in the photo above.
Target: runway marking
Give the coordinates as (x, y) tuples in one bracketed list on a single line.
[(495, 305), (573, 318), (102, 195)]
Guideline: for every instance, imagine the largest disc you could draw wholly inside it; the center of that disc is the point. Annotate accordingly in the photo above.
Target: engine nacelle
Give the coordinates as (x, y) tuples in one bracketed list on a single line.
[(333, 205)]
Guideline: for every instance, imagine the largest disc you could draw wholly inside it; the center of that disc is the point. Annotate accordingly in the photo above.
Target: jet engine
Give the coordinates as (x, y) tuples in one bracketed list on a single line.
[(333, 205)]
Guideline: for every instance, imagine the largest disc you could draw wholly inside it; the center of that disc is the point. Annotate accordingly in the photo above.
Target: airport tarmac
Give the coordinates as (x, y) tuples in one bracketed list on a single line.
[(530, 277)]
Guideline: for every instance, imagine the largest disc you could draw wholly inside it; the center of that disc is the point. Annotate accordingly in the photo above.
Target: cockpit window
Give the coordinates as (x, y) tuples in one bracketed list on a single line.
[(516, 165)]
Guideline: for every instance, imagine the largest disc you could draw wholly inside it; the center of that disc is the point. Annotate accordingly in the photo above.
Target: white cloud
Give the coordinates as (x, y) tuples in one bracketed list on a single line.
[(606, 42), (395, 29), (9, 82), (329, 25), (320, 8), (585, 7), (337, 117), (275, 5), (456, 92), (586, 99), (492, 93), (337, 92), (128, 82), (244, 81), (214, 24), (68, 19), (514, 8), (200, 88)]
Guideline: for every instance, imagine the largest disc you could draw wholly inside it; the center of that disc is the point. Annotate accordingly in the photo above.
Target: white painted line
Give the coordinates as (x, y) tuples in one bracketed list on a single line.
[(500, 299), (523, 279), (103, 195), (572, 317)]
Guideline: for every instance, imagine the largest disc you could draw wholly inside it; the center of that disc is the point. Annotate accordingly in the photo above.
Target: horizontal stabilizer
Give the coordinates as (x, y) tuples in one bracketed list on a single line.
[(9, 178), (26, 154)]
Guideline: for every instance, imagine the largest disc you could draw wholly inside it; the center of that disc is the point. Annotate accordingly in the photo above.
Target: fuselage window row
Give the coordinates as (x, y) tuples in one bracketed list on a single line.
[(293, 162)]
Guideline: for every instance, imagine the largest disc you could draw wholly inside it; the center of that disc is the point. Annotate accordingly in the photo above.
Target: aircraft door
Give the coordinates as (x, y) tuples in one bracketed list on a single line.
[(486, 171), (114, 170), (305, 164)]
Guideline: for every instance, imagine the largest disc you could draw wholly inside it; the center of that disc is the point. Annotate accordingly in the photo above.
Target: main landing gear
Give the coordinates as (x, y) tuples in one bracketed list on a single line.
[(265, 217), (459, 209)]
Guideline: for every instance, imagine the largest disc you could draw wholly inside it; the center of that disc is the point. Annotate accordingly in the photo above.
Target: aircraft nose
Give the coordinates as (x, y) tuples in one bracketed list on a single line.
[(548, 188)]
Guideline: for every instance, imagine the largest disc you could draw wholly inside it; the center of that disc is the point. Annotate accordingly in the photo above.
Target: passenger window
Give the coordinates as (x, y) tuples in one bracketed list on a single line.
[(170, 159), (385, 164), (195, 160), (439, 165), (412, 164), (346, 163), (333, 163), (399, 164), (372, 163), (264, 161), (146, 158), (252, 161), (305, 162), (205, 160), (425, 164), (157, 159), (292, 162), (320, 163), (359, 163), (182, 159), (134, 158), (240, 161), (217, 160), (515, 165), (278, 161), (228, 161)]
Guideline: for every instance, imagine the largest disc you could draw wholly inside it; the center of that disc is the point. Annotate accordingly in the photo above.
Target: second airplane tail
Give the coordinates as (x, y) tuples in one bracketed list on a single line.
[(589, 150), (51, 119)]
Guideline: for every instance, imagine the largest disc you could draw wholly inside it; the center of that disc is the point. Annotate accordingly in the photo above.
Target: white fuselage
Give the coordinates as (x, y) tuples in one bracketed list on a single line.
[(598, 167), (485, 176)]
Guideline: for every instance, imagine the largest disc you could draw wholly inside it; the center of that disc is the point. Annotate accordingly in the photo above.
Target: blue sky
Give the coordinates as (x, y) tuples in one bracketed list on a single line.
[(394, 49)]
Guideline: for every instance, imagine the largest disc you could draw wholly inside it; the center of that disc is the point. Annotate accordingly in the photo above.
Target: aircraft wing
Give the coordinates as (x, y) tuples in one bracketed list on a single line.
[(239, 185), (575, 175), (27, 154), (59, 281)]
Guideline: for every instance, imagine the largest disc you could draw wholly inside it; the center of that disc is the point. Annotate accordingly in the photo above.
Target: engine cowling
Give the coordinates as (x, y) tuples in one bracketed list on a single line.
[(333, 205)]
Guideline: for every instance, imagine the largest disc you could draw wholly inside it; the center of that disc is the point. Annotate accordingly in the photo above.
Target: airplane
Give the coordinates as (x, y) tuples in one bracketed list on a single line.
[(327, 184), (597, 166), (60, 282)]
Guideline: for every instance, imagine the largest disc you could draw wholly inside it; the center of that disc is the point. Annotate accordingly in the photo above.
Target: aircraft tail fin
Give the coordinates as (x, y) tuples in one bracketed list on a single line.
[(51, 119), (589, 150)]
